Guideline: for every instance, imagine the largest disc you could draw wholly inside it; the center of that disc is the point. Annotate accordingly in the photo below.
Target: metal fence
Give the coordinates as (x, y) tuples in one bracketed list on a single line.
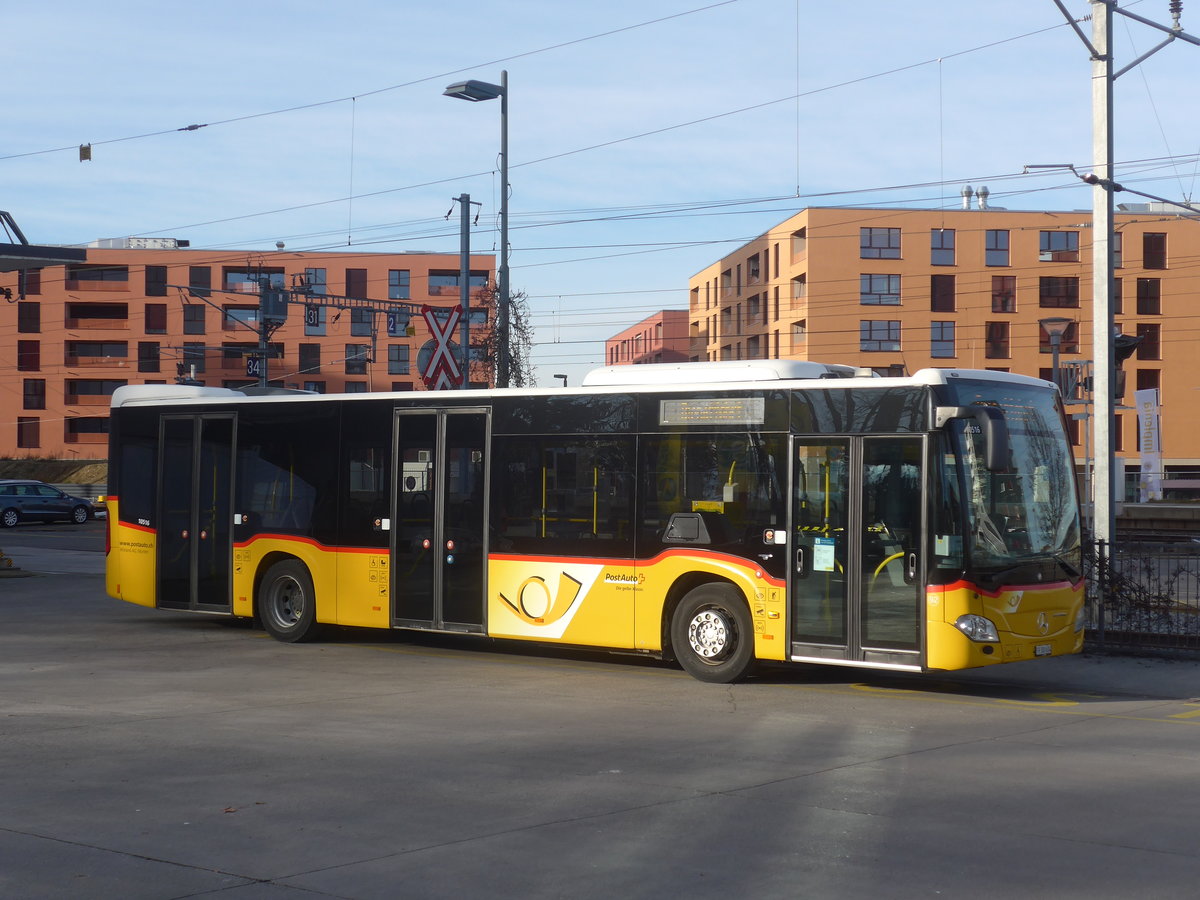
[(1144, 595)]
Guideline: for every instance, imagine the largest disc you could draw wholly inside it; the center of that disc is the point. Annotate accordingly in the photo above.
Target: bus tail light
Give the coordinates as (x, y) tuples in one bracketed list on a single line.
[(977, 628)]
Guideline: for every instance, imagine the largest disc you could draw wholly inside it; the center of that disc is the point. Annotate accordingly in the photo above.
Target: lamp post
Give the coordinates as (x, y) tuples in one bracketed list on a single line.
[(476, 91), (1056, 327)]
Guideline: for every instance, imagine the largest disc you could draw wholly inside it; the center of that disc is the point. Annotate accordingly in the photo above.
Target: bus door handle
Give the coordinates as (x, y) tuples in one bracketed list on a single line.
[(910, 568), (800, 562)]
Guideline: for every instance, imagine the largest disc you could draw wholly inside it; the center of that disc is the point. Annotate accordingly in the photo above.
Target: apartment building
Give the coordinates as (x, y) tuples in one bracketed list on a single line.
[(146, 311), (898, 290), (661, 337)]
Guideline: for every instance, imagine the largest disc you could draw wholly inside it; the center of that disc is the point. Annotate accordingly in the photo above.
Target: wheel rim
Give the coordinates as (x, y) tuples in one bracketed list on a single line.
[(712, 634), (80, 515), (286, 603), (10, 518)]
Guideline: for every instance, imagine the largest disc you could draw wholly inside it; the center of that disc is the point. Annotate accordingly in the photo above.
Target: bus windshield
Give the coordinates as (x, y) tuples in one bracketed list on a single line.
[(1025, 515)]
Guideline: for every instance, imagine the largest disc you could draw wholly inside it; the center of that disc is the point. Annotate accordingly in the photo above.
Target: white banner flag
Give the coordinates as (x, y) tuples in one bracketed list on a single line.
[(1149, 444)]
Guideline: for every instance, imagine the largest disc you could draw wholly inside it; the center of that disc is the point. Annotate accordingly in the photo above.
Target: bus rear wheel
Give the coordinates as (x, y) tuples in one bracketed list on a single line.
[(712, 634), (287, 603)]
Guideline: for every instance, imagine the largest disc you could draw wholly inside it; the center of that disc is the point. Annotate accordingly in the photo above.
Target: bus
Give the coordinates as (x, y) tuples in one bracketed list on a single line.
[(717, 515)]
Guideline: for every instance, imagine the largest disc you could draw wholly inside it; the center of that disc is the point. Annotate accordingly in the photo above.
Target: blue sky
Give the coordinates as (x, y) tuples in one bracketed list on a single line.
[(640, 150)]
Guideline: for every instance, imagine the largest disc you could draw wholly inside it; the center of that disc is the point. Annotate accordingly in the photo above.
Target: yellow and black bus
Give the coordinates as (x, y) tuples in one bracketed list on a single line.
[(715, 514)]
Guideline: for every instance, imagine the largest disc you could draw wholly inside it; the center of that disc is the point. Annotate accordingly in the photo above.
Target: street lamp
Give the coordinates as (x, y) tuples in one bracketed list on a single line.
[(475, 91), (1056, 327), (564, 379)]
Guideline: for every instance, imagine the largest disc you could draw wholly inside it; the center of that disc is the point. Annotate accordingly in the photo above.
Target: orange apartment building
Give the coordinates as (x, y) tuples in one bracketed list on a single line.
[(661, 337), (145, 311), (898, 290)]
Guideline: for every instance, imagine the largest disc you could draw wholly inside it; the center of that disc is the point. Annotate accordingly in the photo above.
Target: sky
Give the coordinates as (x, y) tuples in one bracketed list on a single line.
[(646, 140)]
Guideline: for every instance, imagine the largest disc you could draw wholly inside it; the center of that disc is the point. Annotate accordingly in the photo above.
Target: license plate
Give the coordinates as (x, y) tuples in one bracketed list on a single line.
[(1042, 649)]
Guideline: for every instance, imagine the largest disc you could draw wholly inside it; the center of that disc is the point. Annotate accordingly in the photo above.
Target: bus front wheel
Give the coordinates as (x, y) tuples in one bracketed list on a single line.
[(287, 603), (712, 634)]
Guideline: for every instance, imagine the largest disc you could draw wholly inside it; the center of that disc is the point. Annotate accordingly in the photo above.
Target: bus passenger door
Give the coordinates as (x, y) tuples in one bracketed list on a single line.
[(439, 538), (856, 578), (195, 527)]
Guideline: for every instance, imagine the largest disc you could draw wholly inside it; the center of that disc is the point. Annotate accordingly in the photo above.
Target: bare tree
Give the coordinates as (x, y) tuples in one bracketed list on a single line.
[(520, 340)]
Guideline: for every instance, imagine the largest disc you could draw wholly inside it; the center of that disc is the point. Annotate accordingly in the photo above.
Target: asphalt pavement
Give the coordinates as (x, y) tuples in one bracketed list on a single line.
[(153, 754)]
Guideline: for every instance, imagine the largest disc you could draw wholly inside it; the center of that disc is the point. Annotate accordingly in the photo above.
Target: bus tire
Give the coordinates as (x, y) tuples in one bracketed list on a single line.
[(287, 603), (712, 634)]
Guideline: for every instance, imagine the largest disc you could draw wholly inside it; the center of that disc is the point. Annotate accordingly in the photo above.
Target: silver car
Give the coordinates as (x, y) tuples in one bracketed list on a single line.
[(24, 500)]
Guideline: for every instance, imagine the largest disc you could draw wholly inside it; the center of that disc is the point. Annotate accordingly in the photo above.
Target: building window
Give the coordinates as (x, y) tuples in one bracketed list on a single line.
[(878, 337), (1154, 250), (316, 387), (1118, 297), (397, 359), (1004, 293), (1149, 296), (314, 320), (799, 242), (85, 275), (997, 341), (941, 246), (148, 360), (1149, 379), (29, 317), (1151, 347), (29, 356), (29, 433), (193, 318), (1068, 343), (1117, 245), (156, 281), (754, 269), (193, 356), (360, 322), (239, 316), (356, 283), (941, 293), (445, 282), (879, 243), (399, 284), (310, 359), (355, 387), (200, 280), (879, 290), (1058, 292), (800, 287), (29, 282), (356, 358), (995, 247), (34, 393), (1058, 246), (800, 331), (314, 282), (941, 340), (250, 281), (156, 318)]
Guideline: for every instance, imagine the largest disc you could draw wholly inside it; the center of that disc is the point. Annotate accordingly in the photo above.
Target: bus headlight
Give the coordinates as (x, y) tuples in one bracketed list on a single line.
[(1080, 620), (977, 628)]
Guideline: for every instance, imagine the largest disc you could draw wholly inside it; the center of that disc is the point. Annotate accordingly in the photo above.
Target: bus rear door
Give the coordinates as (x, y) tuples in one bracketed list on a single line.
[(439, 519), (856, 579), (195, 523)]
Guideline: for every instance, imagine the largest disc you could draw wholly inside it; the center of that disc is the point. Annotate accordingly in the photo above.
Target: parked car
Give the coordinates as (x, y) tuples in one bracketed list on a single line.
[(22, 499)]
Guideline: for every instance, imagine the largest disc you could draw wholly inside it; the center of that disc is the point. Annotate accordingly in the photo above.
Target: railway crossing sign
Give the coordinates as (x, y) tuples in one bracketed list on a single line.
[(442, 369)]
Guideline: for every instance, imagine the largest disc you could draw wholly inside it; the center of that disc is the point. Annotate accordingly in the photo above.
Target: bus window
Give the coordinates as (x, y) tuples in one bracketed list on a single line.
[(562, 495), (733, 481)]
